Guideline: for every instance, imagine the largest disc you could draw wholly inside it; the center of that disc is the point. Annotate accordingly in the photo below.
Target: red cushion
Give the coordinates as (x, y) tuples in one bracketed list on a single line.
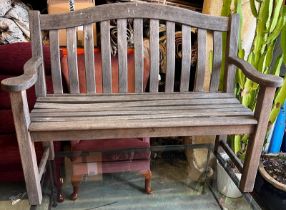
[(107, 147), (14, 56), (98, 70)]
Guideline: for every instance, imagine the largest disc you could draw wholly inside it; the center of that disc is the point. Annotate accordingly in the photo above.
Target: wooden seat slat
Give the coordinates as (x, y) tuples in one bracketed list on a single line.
[(154, 123), (133, 97)]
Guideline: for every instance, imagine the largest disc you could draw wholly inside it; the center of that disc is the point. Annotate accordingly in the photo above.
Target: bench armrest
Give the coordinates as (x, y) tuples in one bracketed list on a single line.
[(256, 76), (26, 80)]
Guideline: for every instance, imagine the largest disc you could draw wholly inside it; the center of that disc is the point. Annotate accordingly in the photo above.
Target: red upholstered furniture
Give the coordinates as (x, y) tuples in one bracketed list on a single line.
[(12, 59), (112, 155)]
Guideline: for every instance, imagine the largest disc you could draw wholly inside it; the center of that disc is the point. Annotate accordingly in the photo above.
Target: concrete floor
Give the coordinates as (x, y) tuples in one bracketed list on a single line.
[(171, 190)]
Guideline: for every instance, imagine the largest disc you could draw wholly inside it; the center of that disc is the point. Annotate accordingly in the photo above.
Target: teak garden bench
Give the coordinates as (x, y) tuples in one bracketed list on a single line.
[(60, 116)]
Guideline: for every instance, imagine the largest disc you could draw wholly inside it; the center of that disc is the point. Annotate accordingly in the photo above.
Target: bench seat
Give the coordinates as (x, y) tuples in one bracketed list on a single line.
[(158, 112)]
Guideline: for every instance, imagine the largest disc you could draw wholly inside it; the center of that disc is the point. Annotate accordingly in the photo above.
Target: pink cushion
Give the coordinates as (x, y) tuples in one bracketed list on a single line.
[(106, 146), (14, 56)]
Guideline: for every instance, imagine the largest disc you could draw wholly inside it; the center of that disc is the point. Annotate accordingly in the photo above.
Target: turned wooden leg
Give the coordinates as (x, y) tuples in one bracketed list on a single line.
[(60, 196), (148, 176), (75, 183)]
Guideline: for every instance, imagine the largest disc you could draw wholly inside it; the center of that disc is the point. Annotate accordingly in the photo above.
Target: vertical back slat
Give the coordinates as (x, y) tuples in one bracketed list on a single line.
[(106, 56), (72, 60), (200, 72), (186, 58), (154, 55), (231, 50), (217, 56), (55, 61), (139, 54), (89, 58), (122, 55), (170, 75), (37, 51)]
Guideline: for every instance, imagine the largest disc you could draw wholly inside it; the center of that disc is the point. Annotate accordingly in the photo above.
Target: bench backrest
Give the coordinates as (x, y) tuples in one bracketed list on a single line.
[(155, 14)]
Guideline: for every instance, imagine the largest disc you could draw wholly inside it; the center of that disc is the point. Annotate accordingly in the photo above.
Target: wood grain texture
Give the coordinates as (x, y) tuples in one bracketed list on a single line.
[(106, 56), (37, 51), (134, 10), (186, 58), (217, 57), (21, 117), (231, 50), (139, 132), (139, 55), (200, 71), (55, 62), (122, 55), (256, 139), (89, 58), (43, 162), (253, 74), (154, 55), (72, 60), (170, 74)]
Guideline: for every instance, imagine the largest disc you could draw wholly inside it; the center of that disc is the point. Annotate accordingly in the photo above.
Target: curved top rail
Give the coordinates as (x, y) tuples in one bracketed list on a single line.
[(133, 10)]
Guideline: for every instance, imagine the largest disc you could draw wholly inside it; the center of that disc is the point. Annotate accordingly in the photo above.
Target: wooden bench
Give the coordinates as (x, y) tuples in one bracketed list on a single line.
[(59, 116)]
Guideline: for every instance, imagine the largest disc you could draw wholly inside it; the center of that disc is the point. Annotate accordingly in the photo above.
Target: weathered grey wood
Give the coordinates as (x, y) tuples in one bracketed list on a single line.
[(256, 139), (50, 146), (134, 10), (170, 74), (135, 113), (106, 56), (26, 80), (144, 123), (217, 56), (253, 74), (21, 117), (231, 50), (72, 60), (137, 103), (43, 162), (122, 55), (89, 58), (139, 55), (201, 63), (132, 97), (139, 132), (37, 51), (55, 62), (140, 109), (186, 58), (231, 154), (154, 55)]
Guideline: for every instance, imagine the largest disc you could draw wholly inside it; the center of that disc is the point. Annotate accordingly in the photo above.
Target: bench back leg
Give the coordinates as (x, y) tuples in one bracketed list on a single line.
[(26, 146), (256, 140)]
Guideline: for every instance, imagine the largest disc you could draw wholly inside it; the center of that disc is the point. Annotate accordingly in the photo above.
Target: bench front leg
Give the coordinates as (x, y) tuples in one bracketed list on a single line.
[(256, 139), (26, 146)]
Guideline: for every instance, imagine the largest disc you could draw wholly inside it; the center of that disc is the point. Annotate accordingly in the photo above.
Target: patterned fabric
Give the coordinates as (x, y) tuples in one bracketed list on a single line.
[(14, 22)]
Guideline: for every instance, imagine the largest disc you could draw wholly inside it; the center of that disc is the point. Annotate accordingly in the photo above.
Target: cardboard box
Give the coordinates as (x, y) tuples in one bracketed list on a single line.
[(62, 6)]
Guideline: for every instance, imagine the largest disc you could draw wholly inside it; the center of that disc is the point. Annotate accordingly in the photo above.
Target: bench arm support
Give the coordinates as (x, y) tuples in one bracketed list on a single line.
[(256, 76), (26, 80)]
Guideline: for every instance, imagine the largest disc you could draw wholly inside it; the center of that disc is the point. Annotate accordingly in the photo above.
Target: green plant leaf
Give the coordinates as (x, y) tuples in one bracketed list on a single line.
[(277, 66), (283, 43), (253, 8), (277, 8), (278, 102)]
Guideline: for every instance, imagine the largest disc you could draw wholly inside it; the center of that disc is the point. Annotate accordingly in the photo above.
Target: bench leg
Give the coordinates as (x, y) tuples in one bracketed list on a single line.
[(148, 176), (26, 146), (256, 140)]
